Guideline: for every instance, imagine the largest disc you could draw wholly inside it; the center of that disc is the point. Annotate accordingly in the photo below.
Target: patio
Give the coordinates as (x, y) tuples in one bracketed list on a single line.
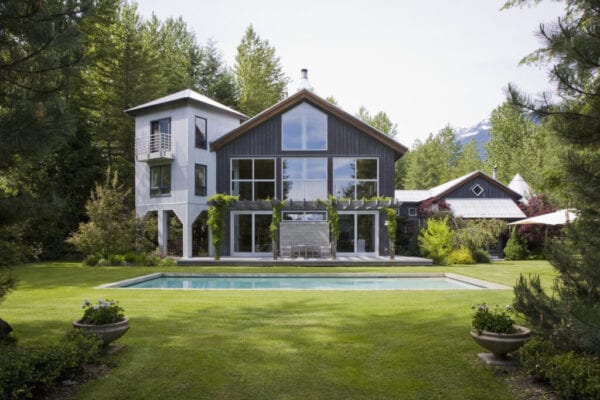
[(340, 261)]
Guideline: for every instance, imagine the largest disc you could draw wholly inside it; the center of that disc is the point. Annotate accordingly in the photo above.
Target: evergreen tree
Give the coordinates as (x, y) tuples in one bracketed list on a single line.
[(214, 79), (571, 317), (510, 145), (432, 162), (259, 79), (41, 49), (468, 160), (379, 121)]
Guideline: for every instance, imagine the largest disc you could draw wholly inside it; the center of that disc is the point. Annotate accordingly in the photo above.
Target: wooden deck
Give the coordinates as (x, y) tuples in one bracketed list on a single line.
[(340, 261)]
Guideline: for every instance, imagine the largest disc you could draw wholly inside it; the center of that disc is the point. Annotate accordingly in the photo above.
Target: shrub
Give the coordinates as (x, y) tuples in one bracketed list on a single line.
[(461, 256), (91, 260), (572, 375), (481, 256), (494, 320), (27, 371), (515, 248), (436, 240), (167, 262), (116, 260)]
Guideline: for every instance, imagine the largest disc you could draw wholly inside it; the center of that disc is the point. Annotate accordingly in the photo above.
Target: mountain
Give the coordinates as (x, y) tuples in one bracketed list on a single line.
[(480, 133)]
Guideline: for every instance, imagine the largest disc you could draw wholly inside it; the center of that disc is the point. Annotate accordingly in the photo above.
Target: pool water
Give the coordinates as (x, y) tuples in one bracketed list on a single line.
[(287, 282)]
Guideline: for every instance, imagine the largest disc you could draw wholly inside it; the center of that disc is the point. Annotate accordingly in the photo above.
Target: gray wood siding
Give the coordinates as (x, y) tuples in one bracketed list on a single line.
[(490, 191), (343, 140)]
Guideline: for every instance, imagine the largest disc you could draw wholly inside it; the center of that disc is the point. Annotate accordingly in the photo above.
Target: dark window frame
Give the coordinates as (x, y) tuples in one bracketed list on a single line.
[(200, 190), (160, 190), (156, 145), (199, 144)]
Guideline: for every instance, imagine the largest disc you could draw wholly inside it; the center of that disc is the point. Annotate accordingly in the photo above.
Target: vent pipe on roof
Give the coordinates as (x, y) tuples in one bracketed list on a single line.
[(304, 84), (495, 171)]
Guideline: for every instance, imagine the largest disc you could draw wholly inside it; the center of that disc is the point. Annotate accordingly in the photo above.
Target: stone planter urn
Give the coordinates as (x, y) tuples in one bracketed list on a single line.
[(500, 344), (107, 332)]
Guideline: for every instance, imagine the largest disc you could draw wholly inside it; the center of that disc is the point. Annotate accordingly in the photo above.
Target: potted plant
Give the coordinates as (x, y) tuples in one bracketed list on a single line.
[(495, 330), (104, 318)]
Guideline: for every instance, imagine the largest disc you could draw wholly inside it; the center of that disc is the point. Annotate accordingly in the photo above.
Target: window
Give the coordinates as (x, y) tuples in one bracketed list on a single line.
[(477, 190), (304, 216), (200, 180), (160, 135), (355, 178), (251, 233), (160, 180), (304, 178), (412, 212), (201, 137), (304, 128), (253, 178)]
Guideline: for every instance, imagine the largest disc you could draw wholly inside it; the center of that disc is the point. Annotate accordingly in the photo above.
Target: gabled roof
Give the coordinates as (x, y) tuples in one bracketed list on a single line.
[(185, 95), (310, 97), (445, 188)]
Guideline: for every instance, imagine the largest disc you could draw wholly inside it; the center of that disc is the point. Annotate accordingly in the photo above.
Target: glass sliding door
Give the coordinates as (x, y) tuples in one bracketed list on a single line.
[(358, 233), (251, 233)]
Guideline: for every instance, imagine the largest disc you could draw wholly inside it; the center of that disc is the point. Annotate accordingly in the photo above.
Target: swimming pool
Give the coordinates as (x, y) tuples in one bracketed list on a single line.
[(305, 282)]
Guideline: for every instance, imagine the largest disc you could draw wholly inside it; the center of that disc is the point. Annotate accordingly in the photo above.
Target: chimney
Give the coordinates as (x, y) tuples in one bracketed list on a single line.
[(304, 84), (495, 171)]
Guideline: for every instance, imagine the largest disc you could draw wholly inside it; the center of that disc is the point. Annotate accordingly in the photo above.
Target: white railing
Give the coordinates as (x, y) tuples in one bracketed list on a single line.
[(153, 146)]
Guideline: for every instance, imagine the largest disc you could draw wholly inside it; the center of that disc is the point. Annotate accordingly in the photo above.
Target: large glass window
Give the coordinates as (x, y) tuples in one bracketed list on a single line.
[(201, 137), (160, 131), (200, 180), (253, 178), (160, 180), (251, 233), (304, 128), (304, 178), (357, 233), (355, 178)]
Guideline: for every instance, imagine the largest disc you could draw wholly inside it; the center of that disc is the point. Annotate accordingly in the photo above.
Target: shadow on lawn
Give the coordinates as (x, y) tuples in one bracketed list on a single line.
[(297, 349)]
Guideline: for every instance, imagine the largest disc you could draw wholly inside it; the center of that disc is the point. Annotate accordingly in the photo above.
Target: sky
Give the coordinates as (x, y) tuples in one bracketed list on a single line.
[(426, 64)]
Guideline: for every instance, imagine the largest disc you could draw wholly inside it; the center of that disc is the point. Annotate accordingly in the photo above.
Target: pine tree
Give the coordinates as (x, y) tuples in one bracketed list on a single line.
[(259, 78), (379, 121), (571, 317)]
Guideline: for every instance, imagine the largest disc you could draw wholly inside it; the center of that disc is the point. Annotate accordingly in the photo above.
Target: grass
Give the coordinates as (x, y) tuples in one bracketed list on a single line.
[(274, 344)]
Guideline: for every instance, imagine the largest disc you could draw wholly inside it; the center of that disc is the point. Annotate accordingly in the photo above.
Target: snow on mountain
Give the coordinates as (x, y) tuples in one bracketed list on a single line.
[(480, 133)]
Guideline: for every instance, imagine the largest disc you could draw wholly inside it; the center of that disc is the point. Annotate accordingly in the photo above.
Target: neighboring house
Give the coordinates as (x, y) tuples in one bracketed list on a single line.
[(189, 147), (474, 195)]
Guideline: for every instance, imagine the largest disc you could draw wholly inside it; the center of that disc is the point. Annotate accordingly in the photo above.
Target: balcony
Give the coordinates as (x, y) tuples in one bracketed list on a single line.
[(154, 147)]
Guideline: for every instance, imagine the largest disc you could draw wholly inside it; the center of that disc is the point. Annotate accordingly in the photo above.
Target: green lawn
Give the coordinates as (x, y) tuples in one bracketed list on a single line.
[(274, 345)]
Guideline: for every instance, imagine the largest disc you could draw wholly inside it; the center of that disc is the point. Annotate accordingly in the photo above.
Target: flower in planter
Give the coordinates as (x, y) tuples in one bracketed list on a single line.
[(495, 319), (102, 312)]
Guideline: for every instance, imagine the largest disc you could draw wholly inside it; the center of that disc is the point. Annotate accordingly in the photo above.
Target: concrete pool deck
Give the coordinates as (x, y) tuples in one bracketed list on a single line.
[(125, 284), (340, 261)]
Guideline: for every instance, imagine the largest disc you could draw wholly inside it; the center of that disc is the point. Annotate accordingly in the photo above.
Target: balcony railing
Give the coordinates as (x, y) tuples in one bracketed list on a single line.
[(155, 146)]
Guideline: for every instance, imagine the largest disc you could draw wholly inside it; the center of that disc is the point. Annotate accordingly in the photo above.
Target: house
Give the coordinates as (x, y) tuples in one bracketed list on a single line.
[(302, 149), (174, 168), (475, 195)]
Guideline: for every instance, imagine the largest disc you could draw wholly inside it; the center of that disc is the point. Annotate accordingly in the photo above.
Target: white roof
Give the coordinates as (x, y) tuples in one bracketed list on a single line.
[(186, 94), (485, 208), (411, 196), (420, 195), (519, 185), (560, 217)]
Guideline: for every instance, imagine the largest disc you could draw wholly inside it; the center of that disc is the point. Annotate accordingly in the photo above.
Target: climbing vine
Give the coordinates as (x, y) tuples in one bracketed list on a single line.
[(219, 205), (274, 227), (334, 222), (392, 223)]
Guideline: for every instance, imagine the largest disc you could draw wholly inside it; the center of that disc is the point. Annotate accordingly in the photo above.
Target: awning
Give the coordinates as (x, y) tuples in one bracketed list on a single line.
[(560, 217)]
